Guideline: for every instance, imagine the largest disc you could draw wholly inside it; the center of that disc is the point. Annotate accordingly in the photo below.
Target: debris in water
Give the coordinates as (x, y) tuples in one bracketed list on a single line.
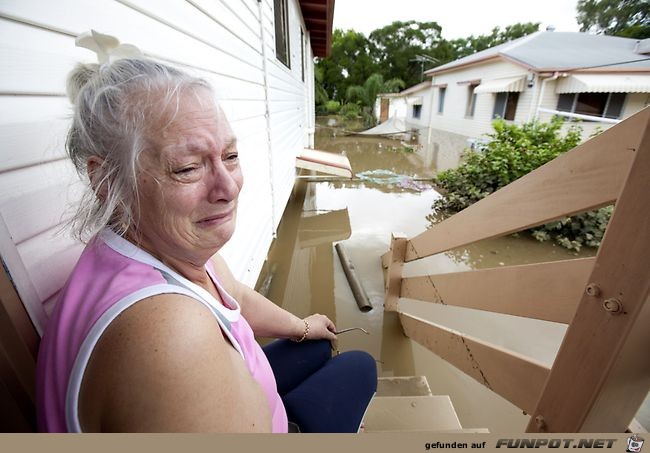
[(387, 177)]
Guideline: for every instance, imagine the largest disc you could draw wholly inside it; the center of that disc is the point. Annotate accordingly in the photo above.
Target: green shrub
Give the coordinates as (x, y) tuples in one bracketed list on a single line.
[(512, 152), (350, 111), (332, 107)]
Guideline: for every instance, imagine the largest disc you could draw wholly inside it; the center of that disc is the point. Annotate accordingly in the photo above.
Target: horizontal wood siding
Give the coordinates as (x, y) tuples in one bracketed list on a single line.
[(453, 118), (287, 111), (222, 41)]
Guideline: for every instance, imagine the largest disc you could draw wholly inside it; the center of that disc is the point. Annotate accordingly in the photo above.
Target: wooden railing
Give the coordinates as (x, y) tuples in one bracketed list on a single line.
[(601, 373)]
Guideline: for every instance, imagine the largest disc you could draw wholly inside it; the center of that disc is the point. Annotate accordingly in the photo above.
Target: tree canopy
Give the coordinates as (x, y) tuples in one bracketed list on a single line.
[(467, 46), (626, 18), (401, 50)]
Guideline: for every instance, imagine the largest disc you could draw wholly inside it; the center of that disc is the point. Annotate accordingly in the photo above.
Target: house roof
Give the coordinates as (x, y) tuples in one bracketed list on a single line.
[(319, 17), (410, 90), (415, 88), (562, 51)]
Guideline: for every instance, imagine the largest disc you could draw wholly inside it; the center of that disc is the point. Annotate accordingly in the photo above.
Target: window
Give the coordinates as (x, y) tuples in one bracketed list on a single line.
[(282, 31), (607, 105), (505, 106), (417, 110), (302, 53), (471, 100), (441, 98)]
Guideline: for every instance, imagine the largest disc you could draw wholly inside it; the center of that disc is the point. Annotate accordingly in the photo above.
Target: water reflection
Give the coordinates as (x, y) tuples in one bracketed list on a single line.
[(303, 276)]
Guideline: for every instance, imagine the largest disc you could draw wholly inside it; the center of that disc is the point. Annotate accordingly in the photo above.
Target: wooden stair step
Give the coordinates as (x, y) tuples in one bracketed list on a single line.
[(411, 413), (403, 386)]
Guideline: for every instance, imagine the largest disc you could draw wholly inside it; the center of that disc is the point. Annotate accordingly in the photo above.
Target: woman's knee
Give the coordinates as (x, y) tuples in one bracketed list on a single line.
[(360, 366)]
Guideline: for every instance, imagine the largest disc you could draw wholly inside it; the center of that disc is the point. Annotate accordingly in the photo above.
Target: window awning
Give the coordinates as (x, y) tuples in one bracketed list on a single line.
[(604, 83), (509, 84), (324, 162), (414, 100)]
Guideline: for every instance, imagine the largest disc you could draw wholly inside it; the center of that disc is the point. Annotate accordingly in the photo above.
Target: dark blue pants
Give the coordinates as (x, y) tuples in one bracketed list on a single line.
[(321, 393)]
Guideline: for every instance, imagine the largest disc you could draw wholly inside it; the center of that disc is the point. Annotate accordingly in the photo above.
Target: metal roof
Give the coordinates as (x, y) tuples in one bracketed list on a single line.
[(562, 51)]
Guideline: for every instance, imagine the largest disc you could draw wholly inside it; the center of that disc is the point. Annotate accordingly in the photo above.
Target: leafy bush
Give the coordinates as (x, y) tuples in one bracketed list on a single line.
[(350, 111), (332, 107), (586, 229), (512, 152)]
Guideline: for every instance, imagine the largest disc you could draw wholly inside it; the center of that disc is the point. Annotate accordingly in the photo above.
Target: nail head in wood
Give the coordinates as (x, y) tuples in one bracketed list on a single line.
[(593, 290), (613, 306)]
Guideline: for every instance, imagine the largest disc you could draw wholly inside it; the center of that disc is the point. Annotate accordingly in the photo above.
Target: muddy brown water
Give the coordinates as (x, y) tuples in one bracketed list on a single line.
[(303, 273)]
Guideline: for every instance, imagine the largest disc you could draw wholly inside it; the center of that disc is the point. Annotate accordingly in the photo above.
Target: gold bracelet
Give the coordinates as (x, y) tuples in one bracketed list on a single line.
[(304, 335)]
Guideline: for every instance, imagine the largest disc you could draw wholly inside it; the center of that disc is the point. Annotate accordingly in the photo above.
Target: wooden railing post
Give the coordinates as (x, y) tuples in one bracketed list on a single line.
[(393, 263), (601, 374)]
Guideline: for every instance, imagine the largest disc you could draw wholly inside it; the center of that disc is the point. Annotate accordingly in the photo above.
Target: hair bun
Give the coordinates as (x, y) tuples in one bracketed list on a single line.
[(78, 78)]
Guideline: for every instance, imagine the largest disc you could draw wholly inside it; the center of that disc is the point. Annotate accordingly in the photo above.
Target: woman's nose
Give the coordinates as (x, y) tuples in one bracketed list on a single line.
[(224, 184)]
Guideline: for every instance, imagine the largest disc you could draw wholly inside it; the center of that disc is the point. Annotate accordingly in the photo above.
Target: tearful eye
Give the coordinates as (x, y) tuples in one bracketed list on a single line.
[(184, 171), (233, 156)]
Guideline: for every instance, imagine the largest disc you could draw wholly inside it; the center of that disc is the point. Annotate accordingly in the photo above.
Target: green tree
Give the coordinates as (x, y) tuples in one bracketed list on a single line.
[(365, 95), (399, 49), (472, 44), (320, 95), (349, 63), (627, 18)]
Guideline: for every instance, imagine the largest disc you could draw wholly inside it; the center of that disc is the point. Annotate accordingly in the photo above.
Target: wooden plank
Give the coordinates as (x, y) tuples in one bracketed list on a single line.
[(324, 162), (403, 386), (394, 271), (48, 259), (27, 180), (516, 378), (431, 413), (26, 144), (20, 279), (14, 311), (601, 374), (548, 291), (209, 23), (31, 214), (589, 176), (154, 38)]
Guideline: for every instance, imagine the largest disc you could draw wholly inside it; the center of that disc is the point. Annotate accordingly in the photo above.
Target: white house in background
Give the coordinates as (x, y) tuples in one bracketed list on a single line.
[(412, 105), (257, 54), (595, 78)]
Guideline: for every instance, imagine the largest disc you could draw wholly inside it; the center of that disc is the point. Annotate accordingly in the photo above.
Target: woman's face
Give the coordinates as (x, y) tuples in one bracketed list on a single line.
[(189, 183)]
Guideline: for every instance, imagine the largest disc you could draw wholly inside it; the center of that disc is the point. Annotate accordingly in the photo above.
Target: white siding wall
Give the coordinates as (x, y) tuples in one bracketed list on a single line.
[(453, 118), (219, 40), (425, 114)]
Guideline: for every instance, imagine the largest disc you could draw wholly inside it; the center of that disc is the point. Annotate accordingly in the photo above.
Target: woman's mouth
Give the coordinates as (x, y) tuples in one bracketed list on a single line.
[(216, 219)]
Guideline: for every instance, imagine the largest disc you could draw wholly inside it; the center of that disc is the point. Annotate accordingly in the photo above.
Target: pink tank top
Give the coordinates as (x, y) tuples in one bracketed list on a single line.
[(111, 275)]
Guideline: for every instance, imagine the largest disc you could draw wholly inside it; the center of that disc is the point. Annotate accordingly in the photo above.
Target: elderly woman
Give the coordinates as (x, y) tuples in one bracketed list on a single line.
[(152, 332)]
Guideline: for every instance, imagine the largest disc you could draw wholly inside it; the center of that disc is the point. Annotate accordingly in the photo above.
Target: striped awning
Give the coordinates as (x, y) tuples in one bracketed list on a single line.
[(508, 84), (604, 83)]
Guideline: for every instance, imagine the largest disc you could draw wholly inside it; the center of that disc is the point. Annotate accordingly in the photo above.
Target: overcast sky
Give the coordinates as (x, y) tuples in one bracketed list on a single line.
[(458, 18)]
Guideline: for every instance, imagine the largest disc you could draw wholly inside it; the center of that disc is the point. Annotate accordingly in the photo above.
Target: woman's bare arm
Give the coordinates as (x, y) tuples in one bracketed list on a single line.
[(266, 318), (164, 366)]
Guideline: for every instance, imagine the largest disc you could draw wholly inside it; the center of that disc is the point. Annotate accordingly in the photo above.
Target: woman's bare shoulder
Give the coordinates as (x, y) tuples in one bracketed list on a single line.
[(164, 365)]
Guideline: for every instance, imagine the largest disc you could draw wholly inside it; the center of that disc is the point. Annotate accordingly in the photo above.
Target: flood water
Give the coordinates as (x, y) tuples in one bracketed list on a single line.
[(303, 273)]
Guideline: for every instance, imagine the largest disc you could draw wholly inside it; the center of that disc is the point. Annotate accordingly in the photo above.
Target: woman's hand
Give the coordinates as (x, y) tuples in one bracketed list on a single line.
[(320, 327)]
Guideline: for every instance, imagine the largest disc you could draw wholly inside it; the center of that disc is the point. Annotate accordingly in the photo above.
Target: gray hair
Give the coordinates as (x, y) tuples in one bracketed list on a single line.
[(116, 106)]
